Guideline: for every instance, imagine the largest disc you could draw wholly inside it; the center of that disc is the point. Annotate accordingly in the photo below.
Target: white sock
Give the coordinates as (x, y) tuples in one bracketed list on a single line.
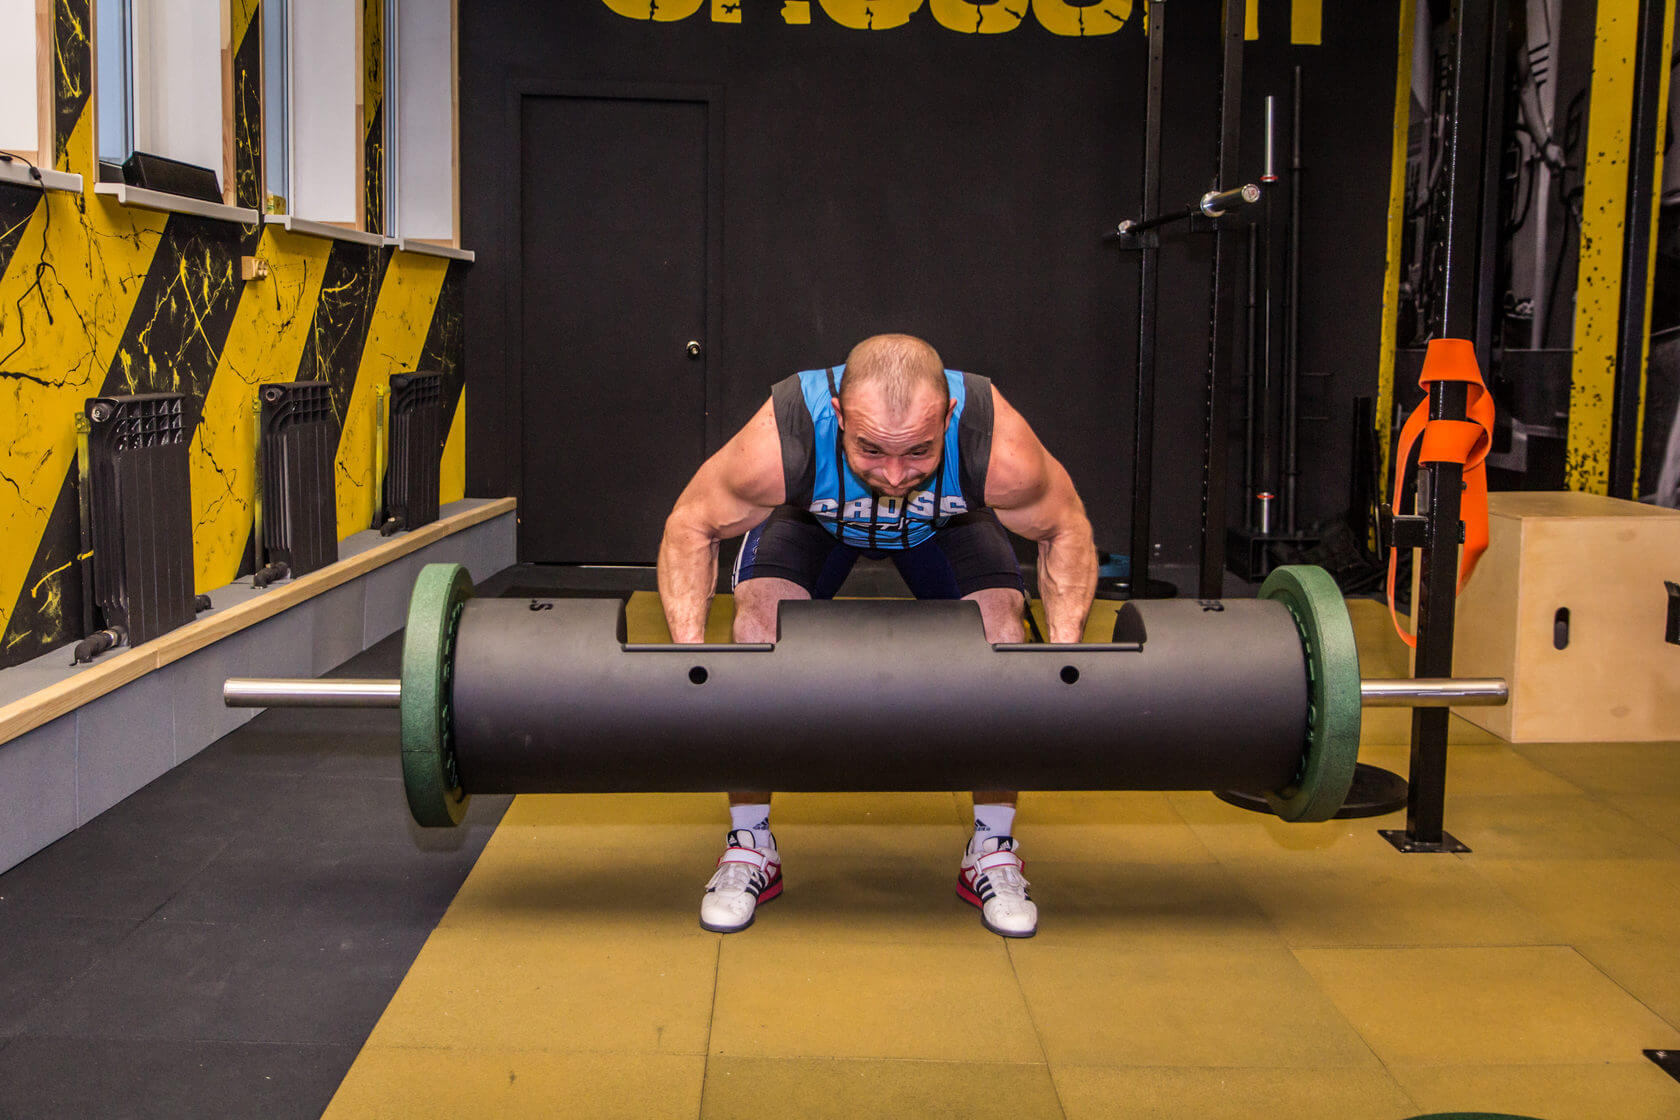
[(754, 818), (991, 820)]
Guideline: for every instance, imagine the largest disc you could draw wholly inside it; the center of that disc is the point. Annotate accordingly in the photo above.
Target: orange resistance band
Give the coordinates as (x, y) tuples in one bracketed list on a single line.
[(1465, 442)]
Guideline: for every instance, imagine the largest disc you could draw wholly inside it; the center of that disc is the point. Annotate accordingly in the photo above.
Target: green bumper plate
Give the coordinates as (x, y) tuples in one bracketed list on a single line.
[(1333, 703), (428, 750)]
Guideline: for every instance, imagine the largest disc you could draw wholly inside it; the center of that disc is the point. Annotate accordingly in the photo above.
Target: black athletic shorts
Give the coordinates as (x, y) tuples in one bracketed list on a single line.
[(969, 553)]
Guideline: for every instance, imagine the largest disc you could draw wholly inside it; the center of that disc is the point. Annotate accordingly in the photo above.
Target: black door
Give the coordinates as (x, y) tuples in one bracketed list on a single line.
[(613, 331)]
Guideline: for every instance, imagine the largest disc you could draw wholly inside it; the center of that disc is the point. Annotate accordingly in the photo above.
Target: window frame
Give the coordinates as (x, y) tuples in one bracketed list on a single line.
[(400, 107), (128, 98)]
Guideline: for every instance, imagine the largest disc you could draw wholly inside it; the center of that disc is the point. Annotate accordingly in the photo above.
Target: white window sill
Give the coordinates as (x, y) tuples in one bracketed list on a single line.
[(324, 229), (409, 245), (176, 204), (16, 171)]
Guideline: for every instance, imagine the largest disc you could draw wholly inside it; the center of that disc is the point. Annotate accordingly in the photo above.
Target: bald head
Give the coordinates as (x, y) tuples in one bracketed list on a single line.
[(897, 367), (894, 409)]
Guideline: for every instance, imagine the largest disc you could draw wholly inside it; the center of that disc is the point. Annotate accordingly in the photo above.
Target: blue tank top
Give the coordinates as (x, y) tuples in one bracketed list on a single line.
[(820, 481)]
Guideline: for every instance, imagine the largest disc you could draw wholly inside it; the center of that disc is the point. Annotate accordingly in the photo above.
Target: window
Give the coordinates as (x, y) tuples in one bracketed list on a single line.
[(422, 164), (25, 92), (323, 112), (160, 82), (115, 83), (277, 95)]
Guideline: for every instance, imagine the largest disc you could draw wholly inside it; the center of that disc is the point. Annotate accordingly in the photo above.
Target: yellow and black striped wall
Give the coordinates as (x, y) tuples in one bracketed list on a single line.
[(99, 298)]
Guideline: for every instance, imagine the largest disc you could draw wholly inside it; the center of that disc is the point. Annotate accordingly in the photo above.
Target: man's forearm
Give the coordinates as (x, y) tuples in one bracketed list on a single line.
[(1067, 581), (687, 577)]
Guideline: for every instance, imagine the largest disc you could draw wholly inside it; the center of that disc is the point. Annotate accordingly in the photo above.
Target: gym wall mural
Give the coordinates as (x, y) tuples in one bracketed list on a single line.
[(100, 298), (940, 167), (1563, 132)]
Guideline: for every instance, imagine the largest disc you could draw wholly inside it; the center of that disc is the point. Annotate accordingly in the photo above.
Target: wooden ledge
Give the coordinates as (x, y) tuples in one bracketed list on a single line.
[(113, 670)]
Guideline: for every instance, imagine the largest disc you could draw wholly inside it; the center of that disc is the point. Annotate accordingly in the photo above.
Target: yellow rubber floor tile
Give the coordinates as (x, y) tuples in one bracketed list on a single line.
[(1109, 827), (572, 810), (644, 619), (830, 1089), (648, 883), (1229, 1094), (857, 845), (1234, 834), (1659, 814), (1492, 768), (1245, 1007), (517, 989), (1644, 967), (891, 809), (856, 893), (403, 1084), (1393, 727), (1593, 899), (1381, 652), (1638, 768), (1144, 907), (1548, 827), (849, 1000), (1485, 1006), (1624, 1090), (1403, 900), (606, 845)]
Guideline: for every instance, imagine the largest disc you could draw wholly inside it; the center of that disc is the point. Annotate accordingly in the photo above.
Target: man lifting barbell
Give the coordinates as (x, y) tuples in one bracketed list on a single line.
[(889, 455)]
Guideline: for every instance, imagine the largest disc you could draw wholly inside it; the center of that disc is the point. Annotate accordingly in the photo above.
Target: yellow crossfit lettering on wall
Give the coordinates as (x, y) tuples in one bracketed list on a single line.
[(796, 11), (871, 15), (662, 11), (1306, 23), (726, 11), (979, 17), (1060, 17)]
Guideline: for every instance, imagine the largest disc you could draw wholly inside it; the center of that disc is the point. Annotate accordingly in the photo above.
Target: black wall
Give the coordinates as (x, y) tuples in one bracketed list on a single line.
[(955, 186)]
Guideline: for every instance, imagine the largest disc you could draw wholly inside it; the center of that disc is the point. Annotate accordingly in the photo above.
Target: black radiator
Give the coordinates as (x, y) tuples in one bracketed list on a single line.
[(139, 512), (416, 449), (297, 515)]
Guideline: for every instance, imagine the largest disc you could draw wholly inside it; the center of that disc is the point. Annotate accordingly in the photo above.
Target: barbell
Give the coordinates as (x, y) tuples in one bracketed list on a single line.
[(547, 696)]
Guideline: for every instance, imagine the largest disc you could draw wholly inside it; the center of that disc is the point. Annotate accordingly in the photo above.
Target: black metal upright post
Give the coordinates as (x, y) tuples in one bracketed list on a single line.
[(1439, 484), (1216, 451), (1251, 374), (1143, 435), (1489, 290), (1636, 255), (1292, 320), (1271, 350)]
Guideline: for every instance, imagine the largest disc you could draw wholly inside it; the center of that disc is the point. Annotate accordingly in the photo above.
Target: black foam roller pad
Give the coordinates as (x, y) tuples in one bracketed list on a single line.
[(875, 695)]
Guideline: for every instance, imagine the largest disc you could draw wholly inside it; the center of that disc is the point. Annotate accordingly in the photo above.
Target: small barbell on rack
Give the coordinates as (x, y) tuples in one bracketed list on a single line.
[(546, 696)]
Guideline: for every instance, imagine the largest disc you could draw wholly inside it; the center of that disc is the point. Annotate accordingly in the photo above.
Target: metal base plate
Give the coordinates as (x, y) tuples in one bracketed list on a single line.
[(1403, 841), (1375, 792)]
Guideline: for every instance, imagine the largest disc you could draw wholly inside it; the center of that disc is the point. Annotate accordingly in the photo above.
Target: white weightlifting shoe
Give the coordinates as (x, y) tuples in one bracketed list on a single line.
[(991, 879), (746, 876)]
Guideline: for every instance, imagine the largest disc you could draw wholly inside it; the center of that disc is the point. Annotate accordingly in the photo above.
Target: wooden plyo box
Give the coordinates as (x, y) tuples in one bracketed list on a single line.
[(1604, 561)]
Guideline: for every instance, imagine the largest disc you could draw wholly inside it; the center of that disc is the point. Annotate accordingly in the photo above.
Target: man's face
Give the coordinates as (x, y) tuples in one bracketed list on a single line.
[(894, 453)]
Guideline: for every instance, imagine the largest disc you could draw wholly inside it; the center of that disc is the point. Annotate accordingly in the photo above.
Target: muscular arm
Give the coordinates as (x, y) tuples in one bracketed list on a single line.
[(732, 491), (1034, 497)]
